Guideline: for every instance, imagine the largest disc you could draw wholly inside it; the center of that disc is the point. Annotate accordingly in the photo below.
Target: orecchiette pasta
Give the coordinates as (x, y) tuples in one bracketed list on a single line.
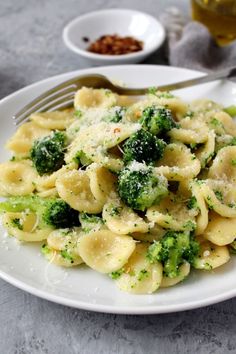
[(141, 190), (138, 275), (102, 182), (206, 152), (190, 132), (123, 220), (24, 226), (178, 163), (53, 120), (96, 140), (105, 251), (172, 213), (202, 217), (74, 187), (17, 178), (184, 271), (211, 256), (220, 230), (62, 247), (21, 142), (48, 182), (94, 98), (223, 166)]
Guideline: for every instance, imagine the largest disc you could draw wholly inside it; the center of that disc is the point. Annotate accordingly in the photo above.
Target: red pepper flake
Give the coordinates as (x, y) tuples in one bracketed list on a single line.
[(117, 130), (115, 45)]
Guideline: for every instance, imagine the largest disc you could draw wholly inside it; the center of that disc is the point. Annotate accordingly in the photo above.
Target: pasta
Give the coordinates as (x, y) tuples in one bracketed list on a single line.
[(21, 142), (53, 120), (105, 251), (142, 190), (139, 276), (17, 178)]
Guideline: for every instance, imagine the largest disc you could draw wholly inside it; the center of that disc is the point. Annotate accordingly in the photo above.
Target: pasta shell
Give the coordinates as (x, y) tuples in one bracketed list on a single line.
[(184, 271), (74, 188), (220, 231), (102, 182), (24, 226), (94, 98), (140, 276), (17, 178), (105, 251), (178, 163), (211, 256), (21, 142), (172, 213), (122, 220), (59, 120)]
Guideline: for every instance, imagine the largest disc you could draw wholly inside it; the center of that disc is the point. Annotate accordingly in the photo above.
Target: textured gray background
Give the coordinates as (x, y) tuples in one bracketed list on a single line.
[(31, 49)]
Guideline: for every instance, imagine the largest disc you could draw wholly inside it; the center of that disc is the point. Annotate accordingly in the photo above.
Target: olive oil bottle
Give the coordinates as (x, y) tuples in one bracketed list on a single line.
[(219, 16)]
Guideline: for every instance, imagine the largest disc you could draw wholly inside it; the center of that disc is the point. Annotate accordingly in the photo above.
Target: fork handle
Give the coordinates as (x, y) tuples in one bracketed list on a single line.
[(222, 74)]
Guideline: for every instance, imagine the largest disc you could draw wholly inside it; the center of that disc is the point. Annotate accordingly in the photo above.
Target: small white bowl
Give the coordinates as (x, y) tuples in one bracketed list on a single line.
[(114, 21)]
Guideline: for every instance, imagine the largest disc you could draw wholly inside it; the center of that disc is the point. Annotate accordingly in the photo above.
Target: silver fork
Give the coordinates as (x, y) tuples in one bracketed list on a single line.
[(61, 96)]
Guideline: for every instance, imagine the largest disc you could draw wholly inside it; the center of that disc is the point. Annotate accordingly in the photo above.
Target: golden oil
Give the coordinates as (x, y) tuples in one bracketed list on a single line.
[(219, 16)]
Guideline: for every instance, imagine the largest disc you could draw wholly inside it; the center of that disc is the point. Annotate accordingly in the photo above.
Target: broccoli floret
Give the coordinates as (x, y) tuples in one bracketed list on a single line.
[(82, 159), (192, 203), (47, 153), (17, 223), (139, 187), (172, 250), (157, 120), (78, 113), (116, 275), (90, 222), (115, 114), (143, 146), (52, 212), (231, 110)]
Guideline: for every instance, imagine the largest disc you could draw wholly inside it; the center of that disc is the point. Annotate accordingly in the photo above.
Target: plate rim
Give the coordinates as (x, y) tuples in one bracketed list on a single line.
[(112, 309)]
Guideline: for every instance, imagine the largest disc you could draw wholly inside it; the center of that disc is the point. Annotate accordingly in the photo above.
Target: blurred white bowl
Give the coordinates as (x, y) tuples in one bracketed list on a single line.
[(114, 21)]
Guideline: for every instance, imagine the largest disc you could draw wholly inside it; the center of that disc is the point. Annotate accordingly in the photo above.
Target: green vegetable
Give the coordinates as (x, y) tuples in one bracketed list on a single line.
[(233, 247), (65, 254), (52, 212), (117, 273), (90, 221), (157, 120), (78, 113), (115, 210), (143, 274), (45, 249), (172, 250), (231, 110), (219, 195), (48, 152), (17, 223), (152, 90), (82, 159), (143, 146), (216, 123), (192, 203), (233, 141), (115, 114), (139, 187)]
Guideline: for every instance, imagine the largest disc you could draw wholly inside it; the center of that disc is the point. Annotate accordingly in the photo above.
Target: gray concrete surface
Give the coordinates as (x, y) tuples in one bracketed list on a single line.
[(31, 49)]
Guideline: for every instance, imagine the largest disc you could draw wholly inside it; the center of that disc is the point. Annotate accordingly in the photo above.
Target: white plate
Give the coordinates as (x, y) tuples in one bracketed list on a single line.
[(23, 266)]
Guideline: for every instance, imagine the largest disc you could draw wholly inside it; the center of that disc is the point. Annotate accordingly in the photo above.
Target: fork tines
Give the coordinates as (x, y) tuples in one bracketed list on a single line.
[(57, 98)]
